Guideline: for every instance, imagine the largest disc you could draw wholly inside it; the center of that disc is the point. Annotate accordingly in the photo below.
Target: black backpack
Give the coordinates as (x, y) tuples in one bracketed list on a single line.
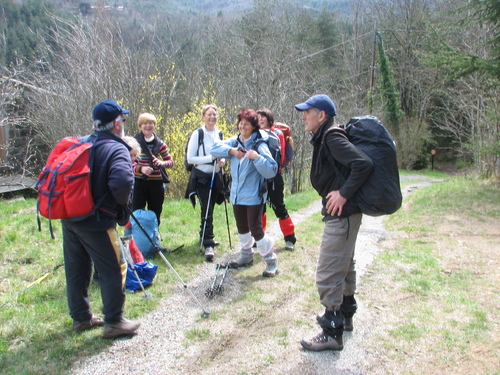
[(381, 192), (189, 167)]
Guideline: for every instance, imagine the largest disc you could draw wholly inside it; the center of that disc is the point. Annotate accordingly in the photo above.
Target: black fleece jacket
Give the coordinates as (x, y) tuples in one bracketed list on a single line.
[(354, 166)]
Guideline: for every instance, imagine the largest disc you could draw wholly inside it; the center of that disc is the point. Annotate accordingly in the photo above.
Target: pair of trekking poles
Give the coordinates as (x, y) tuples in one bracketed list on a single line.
[(209, 200)]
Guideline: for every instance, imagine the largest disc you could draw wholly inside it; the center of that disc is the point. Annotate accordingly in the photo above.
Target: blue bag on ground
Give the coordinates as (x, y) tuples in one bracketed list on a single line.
[(146, 272), (149, 222)]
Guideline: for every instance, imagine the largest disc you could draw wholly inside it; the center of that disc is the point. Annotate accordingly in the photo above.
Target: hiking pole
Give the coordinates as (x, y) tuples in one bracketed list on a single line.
[(208, 207), (210, 291), (128, 257), (43, 277), (225, 206), (205, 313), (219, 289), (37, 281)]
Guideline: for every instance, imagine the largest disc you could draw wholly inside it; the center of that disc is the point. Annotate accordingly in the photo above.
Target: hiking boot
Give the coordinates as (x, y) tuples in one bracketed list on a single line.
[(245, 259), (271, 270), (88, 324), (332, 322), (209, 254), (348, 308), (211, 243), (289, 245), (122, 328), (348, 325), (322, 341), (272, 265)]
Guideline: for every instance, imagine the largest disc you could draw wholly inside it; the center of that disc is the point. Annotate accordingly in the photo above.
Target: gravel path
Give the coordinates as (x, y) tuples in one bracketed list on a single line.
[(160, 347)]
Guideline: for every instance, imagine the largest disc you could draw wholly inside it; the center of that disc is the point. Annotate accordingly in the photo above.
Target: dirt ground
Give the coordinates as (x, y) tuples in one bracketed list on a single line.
[(256, 324)]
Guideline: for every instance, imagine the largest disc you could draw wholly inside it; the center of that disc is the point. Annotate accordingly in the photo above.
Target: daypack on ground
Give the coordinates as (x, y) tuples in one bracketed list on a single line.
[(189, 167), (381, 192), (64, 184), (149, 222), (146, 272), (288, 151)]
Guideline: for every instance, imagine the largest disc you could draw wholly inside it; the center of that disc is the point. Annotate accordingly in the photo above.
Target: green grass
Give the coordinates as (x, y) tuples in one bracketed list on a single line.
[(32, 317), (439, 303)]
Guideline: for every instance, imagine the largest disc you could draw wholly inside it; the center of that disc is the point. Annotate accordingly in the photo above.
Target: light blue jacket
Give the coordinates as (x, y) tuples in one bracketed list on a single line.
[(248, 176)]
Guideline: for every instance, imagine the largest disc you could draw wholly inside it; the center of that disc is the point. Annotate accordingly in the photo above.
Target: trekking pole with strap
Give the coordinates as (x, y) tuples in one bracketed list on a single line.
[(205, 313), (208, 206), (219, 288), (210, 291)]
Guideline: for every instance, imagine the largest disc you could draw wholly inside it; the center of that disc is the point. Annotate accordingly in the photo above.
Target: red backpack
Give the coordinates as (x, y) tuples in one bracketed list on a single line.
[(288, 151), (64, 184)]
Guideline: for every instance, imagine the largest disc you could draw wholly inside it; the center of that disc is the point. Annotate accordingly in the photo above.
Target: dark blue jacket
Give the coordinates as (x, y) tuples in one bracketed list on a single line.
[(113, 179)]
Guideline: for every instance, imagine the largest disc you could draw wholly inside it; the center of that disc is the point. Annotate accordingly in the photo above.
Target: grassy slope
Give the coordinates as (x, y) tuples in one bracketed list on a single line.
[(441, 311)]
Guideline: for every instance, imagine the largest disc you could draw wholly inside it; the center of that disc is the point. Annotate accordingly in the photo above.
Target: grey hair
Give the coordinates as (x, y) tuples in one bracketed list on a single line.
[(104, 127)]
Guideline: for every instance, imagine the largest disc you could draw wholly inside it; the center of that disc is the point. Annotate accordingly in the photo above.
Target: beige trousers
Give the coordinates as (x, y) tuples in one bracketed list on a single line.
[(336, 274)]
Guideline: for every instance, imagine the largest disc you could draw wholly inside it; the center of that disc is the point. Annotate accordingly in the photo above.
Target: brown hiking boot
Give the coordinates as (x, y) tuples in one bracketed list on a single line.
[(322, 342), (88, 324), (122, 328)]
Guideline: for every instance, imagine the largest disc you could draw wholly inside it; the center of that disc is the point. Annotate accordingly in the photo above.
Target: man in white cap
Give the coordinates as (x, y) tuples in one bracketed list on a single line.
[(94, 239), (335, 274)]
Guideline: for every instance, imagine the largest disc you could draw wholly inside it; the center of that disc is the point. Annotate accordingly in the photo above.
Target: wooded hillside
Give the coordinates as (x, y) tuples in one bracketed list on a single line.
[(429, 69)]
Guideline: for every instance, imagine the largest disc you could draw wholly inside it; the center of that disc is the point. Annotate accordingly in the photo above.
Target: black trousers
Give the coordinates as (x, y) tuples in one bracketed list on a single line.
[(81, 249), (276, 196), (150, 193), (203, 183)]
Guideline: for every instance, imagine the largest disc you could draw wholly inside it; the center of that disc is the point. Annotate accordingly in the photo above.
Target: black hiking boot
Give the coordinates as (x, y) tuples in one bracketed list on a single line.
[(348, 308), (332, 322)]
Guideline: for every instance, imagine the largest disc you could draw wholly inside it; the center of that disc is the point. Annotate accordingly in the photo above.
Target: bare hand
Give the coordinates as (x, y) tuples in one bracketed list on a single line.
[(221, 163), (157, 162), (239, 153), (335, 203), (146, 171), (252, 154)]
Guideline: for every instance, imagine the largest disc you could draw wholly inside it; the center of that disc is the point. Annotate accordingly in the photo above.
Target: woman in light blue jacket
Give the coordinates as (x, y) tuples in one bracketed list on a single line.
[(251, 165)]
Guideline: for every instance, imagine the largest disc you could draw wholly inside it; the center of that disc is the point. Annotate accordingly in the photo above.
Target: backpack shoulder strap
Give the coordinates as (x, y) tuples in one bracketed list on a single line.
[(258, 141), (336, 130), (201, 135)]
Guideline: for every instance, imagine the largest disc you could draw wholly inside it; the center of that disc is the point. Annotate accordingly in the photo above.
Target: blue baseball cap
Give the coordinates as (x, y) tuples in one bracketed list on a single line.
[(107, 110), (321, 101)]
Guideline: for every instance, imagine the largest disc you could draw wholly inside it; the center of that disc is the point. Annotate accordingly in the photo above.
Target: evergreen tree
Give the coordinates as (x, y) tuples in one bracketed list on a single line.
[(24, 30), (393, 112)]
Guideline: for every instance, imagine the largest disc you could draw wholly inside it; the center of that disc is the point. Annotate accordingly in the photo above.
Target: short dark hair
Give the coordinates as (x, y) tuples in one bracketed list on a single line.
[(267, 113), (251, 116)]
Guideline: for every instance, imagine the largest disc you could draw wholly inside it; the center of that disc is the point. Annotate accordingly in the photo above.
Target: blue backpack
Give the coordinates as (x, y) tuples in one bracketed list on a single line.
[(149, 222), (146, 271), (273, 142)]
